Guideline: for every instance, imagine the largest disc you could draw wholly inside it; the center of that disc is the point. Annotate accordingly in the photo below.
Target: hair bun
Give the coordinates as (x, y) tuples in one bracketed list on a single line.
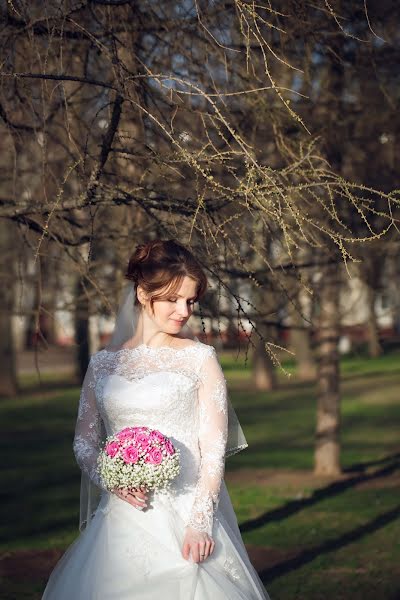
[(140, 256), (156, 263), (142, 252)]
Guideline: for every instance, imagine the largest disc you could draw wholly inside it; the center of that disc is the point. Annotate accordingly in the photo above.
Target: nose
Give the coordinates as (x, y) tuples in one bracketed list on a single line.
[(183, 309)]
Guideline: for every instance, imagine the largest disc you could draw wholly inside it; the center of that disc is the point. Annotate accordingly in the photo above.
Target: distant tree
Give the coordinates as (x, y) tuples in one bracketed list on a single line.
[(193, 122), (8, 380)]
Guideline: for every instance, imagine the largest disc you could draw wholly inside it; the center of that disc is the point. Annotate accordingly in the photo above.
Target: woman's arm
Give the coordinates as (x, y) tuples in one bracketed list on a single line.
[(87, 438), (213, 431), (87, 441)]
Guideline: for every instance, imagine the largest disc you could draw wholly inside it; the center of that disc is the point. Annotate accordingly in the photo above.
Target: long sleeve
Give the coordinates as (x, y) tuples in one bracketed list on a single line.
[(213, 429), (87, 438)]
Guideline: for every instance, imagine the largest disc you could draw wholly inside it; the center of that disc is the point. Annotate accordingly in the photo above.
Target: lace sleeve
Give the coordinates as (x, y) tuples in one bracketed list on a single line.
[(87, 438), (213, 416)]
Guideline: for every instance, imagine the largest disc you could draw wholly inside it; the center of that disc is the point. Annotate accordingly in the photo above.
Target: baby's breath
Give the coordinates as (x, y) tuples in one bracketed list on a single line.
[(115, 472)]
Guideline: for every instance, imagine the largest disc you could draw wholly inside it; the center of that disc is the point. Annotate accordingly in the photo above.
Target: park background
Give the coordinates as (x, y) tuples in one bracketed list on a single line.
[(265, 137)]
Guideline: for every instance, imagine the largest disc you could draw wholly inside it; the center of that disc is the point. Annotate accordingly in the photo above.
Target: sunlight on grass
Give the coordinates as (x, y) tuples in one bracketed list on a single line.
[(41, 480)]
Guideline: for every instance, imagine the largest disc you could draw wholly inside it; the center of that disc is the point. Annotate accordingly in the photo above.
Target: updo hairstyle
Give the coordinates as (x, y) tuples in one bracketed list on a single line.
[(159, 267)]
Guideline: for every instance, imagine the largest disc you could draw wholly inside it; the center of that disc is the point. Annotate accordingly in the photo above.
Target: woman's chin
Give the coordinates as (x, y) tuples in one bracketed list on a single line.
[(176, 325)]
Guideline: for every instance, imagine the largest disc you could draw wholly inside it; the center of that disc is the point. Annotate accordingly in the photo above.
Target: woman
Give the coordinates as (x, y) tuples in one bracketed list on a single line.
[(184, 544)]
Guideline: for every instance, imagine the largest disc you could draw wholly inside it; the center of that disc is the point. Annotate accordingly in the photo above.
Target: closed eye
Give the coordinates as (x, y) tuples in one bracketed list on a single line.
[(189, 302)]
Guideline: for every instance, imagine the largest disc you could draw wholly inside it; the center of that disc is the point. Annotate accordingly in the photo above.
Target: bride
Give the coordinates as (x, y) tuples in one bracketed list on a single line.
[(183, 544)]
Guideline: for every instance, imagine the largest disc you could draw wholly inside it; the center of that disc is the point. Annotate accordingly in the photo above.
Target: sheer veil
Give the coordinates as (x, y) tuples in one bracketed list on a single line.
[(125, 328)]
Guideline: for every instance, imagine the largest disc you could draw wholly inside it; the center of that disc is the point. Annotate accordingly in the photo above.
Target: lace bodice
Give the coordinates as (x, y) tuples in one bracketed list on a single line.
[(181, 392)]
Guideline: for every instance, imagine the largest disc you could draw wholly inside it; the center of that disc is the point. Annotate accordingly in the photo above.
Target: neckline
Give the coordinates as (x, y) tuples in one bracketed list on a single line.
[(144, 346)]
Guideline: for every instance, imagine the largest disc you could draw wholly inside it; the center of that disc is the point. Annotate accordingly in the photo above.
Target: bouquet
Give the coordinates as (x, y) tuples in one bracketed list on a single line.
[(138, 456)]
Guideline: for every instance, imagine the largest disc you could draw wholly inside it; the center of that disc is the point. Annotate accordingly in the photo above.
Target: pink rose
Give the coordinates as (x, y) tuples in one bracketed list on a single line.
[(157, 436), (142, 439), (130, 454), (169, 447), (112, 449), (126, 434), (154, 457)]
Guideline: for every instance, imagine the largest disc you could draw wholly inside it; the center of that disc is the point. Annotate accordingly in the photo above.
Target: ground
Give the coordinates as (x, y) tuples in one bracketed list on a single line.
[(309, 538)]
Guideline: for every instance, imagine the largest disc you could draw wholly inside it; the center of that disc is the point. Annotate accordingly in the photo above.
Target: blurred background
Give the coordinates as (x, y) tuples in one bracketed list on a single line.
[(265, 137)]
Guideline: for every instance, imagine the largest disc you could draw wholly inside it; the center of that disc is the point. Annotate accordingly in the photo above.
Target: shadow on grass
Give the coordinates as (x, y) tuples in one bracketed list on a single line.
[(268, 575), (333, 489), (363, 466), (42, 507)]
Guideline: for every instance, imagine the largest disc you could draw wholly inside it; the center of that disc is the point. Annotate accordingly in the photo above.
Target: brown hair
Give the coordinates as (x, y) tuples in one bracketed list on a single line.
[(162, 265)]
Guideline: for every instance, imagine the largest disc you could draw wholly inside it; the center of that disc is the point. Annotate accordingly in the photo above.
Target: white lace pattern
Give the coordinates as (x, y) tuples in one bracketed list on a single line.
[(181, 392)]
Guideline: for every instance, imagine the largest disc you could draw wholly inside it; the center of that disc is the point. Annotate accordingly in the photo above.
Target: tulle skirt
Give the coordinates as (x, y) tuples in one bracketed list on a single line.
[(127, 554)]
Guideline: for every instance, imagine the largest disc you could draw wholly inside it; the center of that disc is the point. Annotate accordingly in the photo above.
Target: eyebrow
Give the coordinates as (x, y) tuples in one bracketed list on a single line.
[(179, 296)]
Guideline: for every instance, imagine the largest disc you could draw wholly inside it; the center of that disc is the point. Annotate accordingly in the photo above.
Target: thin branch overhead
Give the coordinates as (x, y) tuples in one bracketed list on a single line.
[(221, 124)]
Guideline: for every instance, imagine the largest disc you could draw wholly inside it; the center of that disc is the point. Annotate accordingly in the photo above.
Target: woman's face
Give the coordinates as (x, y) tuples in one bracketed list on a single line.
[(170, 315)]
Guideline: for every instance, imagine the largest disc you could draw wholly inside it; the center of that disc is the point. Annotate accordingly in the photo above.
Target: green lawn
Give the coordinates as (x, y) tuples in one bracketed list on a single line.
[(330, 540)]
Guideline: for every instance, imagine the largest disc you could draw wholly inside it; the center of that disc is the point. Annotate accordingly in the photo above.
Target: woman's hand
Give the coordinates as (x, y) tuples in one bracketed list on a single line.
[(137, 497), (197, 543)]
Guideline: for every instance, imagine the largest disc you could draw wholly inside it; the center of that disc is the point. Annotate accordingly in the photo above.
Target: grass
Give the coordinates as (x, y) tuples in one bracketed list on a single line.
[(326, 539), (280, 425)]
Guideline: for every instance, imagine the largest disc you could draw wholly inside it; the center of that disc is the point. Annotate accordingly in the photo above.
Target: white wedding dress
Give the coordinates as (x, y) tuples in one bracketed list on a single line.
[(128, 554)]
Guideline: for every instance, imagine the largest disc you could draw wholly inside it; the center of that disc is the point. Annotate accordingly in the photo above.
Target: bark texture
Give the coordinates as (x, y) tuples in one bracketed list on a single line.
[(8, 373), (82, 336), (374, 346), (327, 449), (264, 376)]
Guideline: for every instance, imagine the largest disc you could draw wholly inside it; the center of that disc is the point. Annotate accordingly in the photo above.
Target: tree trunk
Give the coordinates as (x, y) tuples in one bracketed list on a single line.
[(82, 329), (43, 331), (327, 449), (264, 376), (8, 371), (300, 342), (374, 347), (306, 367), (394, 287)]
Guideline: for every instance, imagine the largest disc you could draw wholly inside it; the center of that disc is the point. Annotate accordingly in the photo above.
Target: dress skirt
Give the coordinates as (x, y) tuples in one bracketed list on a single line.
[(128, 554)]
